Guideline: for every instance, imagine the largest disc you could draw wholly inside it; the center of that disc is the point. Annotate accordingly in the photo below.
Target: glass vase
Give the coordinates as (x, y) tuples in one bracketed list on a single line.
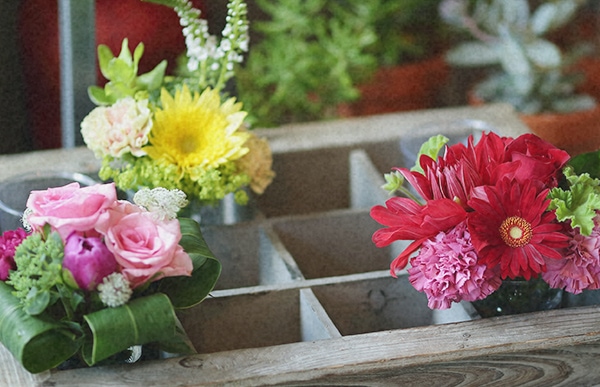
[(519, 296)]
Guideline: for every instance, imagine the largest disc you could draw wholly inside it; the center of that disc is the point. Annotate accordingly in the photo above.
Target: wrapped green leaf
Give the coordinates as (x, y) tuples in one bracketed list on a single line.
[(141, 321), (185, 292), (29, 338)]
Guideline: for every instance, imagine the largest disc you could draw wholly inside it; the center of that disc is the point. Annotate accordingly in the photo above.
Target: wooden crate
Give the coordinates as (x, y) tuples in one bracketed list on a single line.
[(306, 299)]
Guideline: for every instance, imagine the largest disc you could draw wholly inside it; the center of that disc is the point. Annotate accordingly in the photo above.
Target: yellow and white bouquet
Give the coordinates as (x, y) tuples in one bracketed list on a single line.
[(179, 131)]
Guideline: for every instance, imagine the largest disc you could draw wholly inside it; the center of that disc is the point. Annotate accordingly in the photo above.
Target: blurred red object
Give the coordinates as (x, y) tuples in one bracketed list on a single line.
[(155, 25)]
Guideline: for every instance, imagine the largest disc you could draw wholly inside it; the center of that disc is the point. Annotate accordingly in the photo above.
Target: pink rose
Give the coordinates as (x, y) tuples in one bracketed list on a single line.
[(70, 208), (88, 260), (144, 247)]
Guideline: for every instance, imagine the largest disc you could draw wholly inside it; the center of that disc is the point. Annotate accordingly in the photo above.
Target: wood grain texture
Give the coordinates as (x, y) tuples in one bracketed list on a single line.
[(559, 347)]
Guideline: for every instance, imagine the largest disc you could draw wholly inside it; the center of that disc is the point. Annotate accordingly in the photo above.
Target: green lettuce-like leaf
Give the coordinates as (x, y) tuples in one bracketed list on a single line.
[(141, 321), (431, 148), (579, 203), (393, 182), (185, 292), (37, 343)]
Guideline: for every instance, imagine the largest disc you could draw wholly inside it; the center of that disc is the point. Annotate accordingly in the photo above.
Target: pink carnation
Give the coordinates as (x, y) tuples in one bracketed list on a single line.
[(145, 248), (447, 270), (9, 241), (70, 208), (579, 269)]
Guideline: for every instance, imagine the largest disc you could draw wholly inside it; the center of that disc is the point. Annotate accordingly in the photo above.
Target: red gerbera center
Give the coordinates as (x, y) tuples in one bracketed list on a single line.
[(516, 231)]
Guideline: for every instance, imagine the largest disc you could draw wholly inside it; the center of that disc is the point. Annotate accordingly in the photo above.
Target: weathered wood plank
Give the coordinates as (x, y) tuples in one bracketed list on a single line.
[(561, 342)]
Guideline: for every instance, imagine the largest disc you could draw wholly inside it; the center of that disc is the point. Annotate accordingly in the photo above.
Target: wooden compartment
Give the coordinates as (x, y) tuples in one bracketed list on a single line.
[(250, 254), (379, 304), (256, 319), (307, 299), (333, 244)]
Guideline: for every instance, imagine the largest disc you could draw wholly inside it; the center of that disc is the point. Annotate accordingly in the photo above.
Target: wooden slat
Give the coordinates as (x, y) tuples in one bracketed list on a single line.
[(536, 346)]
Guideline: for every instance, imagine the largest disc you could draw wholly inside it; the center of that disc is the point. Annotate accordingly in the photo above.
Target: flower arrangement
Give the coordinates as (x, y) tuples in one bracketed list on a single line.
[(499, 208), (93, 275), (180, 131)]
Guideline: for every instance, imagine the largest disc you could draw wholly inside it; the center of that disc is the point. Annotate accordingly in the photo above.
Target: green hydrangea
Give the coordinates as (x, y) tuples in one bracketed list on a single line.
[(39, 270), (208, 186)]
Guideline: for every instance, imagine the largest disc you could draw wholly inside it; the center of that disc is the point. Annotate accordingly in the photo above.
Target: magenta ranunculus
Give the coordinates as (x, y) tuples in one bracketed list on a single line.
[(145, 248), (9, 241), (89, 260), (70, 208)]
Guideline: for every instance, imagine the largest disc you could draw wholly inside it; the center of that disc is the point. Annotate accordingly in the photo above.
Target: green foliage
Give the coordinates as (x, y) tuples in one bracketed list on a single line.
[(39, 264), (208, 186), (430, 148), (121, 73), (309, 59), (141, 321), (528, 70), (578, 202), (406, 30), (311, 55), (393, 182), (37, 343), (587, 163)]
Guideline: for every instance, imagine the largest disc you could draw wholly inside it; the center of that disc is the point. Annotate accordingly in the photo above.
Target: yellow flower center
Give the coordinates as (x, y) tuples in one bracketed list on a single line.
[(516, 231)]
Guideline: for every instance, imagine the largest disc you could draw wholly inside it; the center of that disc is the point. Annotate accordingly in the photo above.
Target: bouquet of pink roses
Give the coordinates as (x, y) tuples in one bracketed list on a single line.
[(94, 275), (499, 208)]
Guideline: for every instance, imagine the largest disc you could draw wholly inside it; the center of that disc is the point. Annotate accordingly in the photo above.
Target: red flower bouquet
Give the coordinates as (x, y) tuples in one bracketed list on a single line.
[(499, 208)]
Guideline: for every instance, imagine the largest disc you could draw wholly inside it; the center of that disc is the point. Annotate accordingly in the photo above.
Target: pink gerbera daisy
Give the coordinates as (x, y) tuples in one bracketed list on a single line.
[(447, 269), (510, 226)]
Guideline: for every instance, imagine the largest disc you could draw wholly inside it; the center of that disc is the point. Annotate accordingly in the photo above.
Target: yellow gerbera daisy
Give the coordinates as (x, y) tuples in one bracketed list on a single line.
[(196, 132)]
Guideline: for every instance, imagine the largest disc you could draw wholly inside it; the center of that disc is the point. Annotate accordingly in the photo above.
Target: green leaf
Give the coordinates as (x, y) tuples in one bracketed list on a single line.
[(153, 79), (185, 292), (544, 53), (430, 148), (579, 203), (37, 302), (98, 96), (168, 3), (513, 57), (141, 321), (193, 242), (552, 15), (393, 181), (105, 56), (587, 163), (38, 344), (472, 54)]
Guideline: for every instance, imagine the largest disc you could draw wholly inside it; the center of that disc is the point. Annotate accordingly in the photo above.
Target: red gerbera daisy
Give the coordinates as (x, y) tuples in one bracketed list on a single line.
[(407, 220), (510, 226)]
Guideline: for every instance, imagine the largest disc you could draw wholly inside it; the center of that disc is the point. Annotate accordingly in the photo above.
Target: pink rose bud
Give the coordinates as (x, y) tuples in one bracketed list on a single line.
[(88, 260)]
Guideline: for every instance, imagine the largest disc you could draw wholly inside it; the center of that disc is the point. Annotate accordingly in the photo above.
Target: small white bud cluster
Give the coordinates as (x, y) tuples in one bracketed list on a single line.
[(203, 52), (163, 203), (114, 290)]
